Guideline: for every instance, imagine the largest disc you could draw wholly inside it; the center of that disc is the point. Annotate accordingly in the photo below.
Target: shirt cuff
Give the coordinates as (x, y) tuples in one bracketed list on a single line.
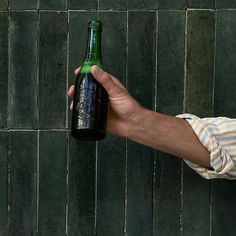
[(220, 160)]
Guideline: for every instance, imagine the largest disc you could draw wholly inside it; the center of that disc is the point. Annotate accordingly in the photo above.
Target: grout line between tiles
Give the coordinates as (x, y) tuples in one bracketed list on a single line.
[(96, 166), (9, 77), (8, 183), (213, 102), (67, 70), (184, 110), (96, 190), (37, 187), (67, 181), (37, 105), (126, 141), (155, 109), (37, 117), (113, 10), (214, 70)]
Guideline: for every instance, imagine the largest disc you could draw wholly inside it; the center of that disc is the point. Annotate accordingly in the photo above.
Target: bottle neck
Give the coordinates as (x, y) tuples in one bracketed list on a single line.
[(93, 51)]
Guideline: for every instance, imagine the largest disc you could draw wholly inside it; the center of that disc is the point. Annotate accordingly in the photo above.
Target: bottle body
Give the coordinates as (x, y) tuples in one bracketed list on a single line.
[(89, 113)]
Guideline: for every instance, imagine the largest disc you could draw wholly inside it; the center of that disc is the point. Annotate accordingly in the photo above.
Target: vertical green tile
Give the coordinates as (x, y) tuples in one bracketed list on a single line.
[(111, 151), (114, 42), (52, 183), (82, 4), (200, 62), (114, 5), (224, 192), (52, 69), (3, 183), (78, 33), (81, 191), (142, 4), (52, 4), (202, 4), (170, 57), (142, 55), (23, 177), (111, 187), (140, 171), (3, 69), (3, 5), (196, 204), (23, 4), (198, 101), (23, 78), (141, 79), (223, 207), (170, 75), (225, 69), (167, 196), (225, 4), (171, 4)]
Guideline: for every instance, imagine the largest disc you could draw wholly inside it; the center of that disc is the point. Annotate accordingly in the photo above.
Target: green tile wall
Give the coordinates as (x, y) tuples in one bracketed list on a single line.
[(23, 183), (224, 105), (23, 49), (3, 5), (4, 182), (114, 5), (141, 53), (226, 4), (141, 4), (82, 4), (171, 4), (174, 56), (52, 69), (81, 185), (50, 4), (202, 4), (3, 69), (52, 197), (170, 57), (199, 88), (23, 4), (111, 171)]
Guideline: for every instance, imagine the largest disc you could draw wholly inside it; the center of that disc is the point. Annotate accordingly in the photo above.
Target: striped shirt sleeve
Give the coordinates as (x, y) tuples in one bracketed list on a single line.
[(218, 135)]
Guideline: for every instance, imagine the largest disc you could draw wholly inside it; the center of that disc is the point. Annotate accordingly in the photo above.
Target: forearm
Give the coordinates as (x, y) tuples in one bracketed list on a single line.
[(169, 134)]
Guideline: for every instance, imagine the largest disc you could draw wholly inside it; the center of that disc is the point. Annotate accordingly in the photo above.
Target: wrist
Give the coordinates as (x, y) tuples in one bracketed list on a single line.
[(137, 123)]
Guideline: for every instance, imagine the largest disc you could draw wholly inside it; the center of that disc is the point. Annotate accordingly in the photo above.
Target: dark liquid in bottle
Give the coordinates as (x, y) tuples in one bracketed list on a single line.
[(89, 109)]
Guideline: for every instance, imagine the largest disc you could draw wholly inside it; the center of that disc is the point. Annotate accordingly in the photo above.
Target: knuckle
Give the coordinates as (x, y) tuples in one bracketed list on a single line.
[(104, 76)]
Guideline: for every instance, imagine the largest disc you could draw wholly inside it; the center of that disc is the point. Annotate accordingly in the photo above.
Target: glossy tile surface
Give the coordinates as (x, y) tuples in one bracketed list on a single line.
[(81, 188), (23, 48), (52, 69), (173, 56), (4, 183), (23, 4), (3, 70), (170, 57), (23, 179), (52, 183)]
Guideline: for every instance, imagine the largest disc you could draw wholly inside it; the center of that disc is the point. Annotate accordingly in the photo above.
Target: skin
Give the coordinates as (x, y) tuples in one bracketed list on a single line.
[(127, 118)]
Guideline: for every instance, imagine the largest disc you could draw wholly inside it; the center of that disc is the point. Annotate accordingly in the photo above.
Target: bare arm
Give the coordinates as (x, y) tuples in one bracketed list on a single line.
[(169, 134), (127, 118)]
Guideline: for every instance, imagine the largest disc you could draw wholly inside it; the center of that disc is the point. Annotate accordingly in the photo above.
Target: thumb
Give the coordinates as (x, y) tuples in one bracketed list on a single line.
[(106, 81)]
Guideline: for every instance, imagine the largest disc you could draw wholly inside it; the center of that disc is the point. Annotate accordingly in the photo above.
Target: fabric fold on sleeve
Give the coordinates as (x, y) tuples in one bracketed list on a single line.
[(220, 160)]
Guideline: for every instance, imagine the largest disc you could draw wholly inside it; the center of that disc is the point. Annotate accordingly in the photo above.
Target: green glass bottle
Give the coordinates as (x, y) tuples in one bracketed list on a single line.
[(89, 113)]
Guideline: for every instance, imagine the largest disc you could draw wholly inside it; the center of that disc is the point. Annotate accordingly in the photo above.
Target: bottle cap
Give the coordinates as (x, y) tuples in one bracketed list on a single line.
[(95, 24)]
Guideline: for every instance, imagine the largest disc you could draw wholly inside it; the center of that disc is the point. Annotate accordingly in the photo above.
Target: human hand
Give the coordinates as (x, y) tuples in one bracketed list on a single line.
[(123, 111)]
